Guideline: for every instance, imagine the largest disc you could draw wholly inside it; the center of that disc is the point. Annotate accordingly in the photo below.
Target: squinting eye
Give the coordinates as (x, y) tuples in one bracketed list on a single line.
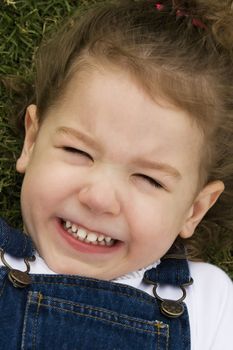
[(150, 180), (76, 151)]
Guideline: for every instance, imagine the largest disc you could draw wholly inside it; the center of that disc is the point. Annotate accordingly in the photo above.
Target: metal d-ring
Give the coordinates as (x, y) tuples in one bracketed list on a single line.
[(19, 279), (172, 308)]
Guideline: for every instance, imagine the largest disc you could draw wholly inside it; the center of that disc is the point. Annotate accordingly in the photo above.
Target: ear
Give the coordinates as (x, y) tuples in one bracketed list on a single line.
[(31, 129), (203, 202)]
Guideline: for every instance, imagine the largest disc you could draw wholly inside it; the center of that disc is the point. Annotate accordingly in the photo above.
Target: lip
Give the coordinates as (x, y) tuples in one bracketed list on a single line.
[(86, 247)]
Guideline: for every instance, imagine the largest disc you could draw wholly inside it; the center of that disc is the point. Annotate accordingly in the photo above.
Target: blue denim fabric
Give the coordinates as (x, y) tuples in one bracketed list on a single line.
[(21, 246), (72, 312)]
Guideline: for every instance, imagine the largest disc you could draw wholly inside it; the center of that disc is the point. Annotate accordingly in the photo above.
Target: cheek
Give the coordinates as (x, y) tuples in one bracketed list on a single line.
[(150, 240), (47, 176), (156, 219), (40, 189)]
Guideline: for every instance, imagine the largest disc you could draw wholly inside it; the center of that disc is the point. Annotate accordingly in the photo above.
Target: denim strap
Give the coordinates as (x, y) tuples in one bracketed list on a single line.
[(173, 269), (21, 246)]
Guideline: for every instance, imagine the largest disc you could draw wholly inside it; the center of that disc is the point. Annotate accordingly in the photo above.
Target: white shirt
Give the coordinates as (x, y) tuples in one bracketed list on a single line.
[(209, 300)]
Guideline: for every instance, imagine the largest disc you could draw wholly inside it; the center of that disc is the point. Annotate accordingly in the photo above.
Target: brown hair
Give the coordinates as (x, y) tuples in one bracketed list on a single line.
[(188, 64)]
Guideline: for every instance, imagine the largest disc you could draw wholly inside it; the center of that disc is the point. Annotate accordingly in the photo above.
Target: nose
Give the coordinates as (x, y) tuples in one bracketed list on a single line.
[(100, 197)]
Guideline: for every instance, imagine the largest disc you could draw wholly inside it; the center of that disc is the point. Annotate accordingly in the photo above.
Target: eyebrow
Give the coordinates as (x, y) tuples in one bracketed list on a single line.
[(81, 136), (166, 168)]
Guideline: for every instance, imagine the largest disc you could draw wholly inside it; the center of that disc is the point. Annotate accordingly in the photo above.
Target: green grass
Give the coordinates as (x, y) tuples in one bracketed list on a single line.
[(22, 26)]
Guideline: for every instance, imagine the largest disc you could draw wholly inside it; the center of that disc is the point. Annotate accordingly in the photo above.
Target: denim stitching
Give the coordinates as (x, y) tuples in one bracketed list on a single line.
[(183, 338), (98, 288), (25, 320), (67, 302), (158, 338), (40, 297), (97, 318), (168, 337)]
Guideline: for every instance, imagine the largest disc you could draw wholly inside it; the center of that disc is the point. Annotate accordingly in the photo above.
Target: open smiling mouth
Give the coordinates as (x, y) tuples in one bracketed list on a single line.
[(88, 238)]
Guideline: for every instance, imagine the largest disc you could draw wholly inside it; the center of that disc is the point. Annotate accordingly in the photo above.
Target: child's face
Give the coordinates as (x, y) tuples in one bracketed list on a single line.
[(92, 162)]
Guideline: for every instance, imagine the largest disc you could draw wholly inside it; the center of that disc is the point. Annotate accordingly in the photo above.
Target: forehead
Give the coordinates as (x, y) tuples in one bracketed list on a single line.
[(112, 107)]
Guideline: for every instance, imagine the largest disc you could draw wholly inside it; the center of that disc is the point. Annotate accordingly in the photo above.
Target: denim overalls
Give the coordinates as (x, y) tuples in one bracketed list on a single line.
[(71, 312)]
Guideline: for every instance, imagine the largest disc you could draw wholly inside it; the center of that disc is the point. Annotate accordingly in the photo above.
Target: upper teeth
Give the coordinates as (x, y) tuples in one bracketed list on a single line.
[(89, 237)]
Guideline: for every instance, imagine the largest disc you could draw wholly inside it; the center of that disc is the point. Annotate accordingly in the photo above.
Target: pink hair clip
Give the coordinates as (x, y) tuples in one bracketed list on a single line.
[(159, 6), (198, 23), (182, 13), (195, 22)]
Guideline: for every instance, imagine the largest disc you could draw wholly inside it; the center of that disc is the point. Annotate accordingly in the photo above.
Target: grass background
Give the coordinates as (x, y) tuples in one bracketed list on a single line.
[(23, 24)]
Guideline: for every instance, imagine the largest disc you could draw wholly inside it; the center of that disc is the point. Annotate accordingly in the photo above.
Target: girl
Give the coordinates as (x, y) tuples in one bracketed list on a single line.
[(127, 135)]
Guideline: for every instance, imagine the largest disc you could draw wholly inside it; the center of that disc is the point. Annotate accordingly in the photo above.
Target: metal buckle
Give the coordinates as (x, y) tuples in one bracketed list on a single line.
[(168, 307), (171, 308), (19, 279)]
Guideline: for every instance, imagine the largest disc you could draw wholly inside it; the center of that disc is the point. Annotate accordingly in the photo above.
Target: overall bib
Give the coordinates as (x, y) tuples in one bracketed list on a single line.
[(67, 312)]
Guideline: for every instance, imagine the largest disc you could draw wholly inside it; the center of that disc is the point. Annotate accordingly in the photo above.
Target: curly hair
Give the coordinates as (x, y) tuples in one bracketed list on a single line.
[(181, 51)]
